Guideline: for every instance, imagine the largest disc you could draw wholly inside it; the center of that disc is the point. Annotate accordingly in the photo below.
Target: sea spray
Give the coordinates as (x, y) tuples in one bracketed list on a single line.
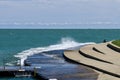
[(64, 44)]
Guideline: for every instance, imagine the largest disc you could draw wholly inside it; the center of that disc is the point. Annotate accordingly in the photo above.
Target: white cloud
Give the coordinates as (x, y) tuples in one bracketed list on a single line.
[(51, 2), (59, 10)]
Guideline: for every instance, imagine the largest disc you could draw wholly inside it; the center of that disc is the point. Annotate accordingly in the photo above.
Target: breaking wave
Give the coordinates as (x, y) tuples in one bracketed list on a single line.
[(64, 44)]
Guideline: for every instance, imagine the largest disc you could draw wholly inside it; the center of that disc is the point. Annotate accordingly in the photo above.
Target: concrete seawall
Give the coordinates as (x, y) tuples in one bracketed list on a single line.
[(114, 47), (101, 59)]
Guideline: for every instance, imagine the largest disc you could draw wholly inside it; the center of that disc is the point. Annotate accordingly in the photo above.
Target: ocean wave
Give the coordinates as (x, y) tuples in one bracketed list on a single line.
[(64, 44), (12, 63)]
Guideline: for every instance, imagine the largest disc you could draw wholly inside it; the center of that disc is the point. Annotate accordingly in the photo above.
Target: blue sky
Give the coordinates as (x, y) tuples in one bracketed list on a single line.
[(59, 12)]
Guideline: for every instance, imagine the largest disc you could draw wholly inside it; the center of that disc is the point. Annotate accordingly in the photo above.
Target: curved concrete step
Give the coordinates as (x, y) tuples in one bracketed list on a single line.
[(110, 69), (108, 52), (88, 51), (114, 47)]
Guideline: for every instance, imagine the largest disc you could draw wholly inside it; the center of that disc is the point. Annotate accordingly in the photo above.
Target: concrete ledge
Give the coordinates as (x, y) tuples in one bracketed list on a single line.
[(92, 57), (88, 52), (93, 66), (108, 52), (99, 57), (98, 50), (114, 47)]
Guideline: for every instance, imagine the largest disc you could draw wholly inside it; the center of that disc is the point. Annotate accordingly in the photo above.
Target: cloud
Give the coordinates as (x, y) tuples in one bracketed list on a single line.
[(59, 10), (51, 2), (58, 23), (15, 0)]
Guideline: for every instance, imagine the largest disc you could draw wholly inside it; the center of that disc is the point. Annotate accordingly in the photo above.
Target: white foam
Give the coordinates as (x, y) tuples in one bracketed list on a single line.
[(65, 43), (11, 63)]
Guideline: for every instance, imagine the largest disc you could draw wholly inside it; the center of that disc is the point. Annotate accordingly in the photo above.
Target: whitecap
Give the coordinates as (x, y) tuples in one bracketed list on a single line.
[(64, 44)]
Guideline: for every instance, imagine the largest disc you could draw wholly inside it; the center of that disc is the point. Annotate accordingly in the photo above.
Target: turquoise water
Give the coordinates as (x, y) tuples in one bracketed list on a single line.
[(13, 41), (16, 41)]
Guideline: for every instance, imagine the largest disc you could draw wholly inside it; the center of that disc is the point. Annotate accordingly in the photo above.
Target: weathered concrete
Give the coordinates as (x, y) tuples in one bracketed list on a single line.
[(99, 57), (114, 47), (89, 52)]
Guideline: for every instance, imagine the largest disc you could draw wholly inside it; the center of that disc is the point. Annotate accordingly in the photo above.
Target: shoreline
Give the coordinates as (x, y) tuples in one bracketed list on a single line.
[(107, 71)]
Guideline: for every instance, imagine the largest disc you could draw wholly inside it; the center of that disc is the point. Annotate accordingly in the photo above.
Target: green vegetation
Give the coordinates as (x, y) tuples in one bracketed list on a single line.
[(116, 42)]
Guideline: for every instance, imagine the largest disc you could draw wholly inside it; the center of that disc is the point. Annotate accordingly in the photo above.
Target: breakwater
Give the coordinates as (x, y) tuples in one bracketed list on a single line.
[(50, 65), (18, 71)]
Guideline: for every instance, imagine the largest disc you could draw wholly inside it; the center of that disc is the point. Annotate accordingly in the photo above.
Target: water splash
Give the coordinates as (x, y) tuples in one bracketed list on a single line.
[(64, 44)]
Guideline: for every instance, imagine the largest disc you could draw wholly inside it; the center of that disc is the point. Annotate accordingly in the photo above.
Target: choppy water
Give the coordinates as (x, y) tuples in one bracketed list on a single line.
[(17, 44)]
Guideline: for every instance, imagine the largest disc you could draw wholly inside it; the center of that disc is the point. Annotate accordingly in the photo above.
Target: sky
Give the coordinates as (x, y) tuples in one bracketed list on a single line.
[(39, 13)]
